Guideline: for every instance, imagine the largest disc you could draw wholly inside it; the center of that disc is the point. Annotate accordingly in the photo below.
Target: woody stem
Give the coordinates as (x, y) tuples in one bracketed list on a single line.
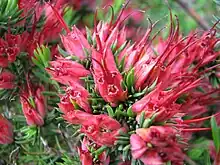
[(201, 22)]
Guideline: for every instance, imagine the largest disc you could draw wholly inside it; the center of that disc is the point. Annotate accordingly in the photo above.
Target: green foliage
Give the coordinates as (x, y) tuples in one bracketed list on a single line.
[(215, 134), (67, 160), (199, 150), (41, 57), (130, 80), (56, 141), (71, 16), (9, 14)]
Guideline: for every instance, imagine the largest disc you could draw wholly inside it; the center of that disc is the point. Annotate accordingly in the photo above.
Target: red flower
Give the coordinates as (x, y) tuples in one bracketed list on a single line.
[(102, 129), (107, 77), (162, 102), (138, 146), (156, 145), (7, 80), (160, 136), (9, 49), (6, 131), (33, 106), (84, 154), (75, 116), (77, 93), (67, 71), (40, 101), (75, 43)]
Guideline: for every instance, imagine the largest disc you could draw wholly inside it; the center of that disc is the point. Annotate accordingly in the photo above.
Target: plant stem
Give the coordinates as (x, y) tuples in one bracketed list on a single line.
[(201, 22)]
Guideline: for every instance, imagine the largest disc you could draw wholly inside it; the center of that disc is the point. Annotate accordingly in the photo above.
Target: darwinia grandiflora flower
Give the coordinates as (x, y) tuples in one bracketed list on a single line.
[(132, 97)]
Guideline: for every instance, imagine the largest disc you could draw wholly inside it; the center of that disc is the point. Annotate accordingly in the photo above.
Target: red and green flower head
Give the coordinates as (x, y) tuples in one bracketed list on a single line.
[(134, 97)]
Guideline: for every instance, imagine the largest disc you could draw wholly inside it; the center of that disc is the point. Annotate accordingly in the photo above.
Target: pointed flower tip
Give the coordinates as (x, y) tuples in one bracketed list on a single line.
[(59, 17)]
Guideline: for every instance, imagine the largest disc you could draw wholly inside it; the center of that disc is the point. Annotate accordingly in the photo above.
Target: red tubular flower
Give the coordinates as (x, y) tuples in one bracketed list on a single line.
[(139, 151), (40, 101), (75, 43), (33, 106), (107, 77), (31, 115), (51, 28), (156, 145), (138, 146), (67, 71), (7, 80), (84, 154), (102, 129), (160, 136), (65, 105), (80, 95), (6, 131), (163, 103), (9, 49), (170, 72), (75, 116), (152, 158), (75, 94)]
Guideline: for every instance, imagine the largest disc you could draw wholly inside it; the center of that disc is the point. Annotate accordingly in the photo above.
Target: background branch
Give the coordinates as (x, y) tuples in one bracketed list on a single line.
[(201, 22)]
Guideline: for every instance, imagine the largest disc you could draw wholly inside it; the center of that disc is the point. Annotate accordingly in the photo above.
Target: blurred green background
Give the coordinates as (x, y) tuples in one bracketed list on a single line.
[(205, 10)]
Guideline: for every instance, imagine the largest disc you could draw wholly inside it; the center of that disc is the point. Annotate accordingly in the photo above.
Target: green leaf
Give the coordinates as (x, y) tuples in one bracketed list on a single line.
[(110, 111), (100, 150), (138, 94), (49, 93), (130, 79), (122, 64), (42, 76), (113, 46), (215, 133), (147, 123), (37, 63), (9, 14), (89, 35), (141, 120), (41, 57), (207, 158), (117, 5), (196, 153), (130, 113), (123, 85), (168, 163)]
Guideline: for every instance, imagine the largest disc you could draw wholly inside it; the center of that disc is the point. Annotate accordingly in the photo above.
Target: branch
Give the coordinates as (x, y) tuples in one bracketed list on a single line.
[(201, 22)]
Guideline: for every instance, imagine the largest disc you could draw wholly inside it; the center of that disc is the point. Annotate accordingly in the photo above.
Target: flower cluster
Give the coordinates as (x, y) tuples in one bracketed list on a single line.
[(129, 99), (138, 92)]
